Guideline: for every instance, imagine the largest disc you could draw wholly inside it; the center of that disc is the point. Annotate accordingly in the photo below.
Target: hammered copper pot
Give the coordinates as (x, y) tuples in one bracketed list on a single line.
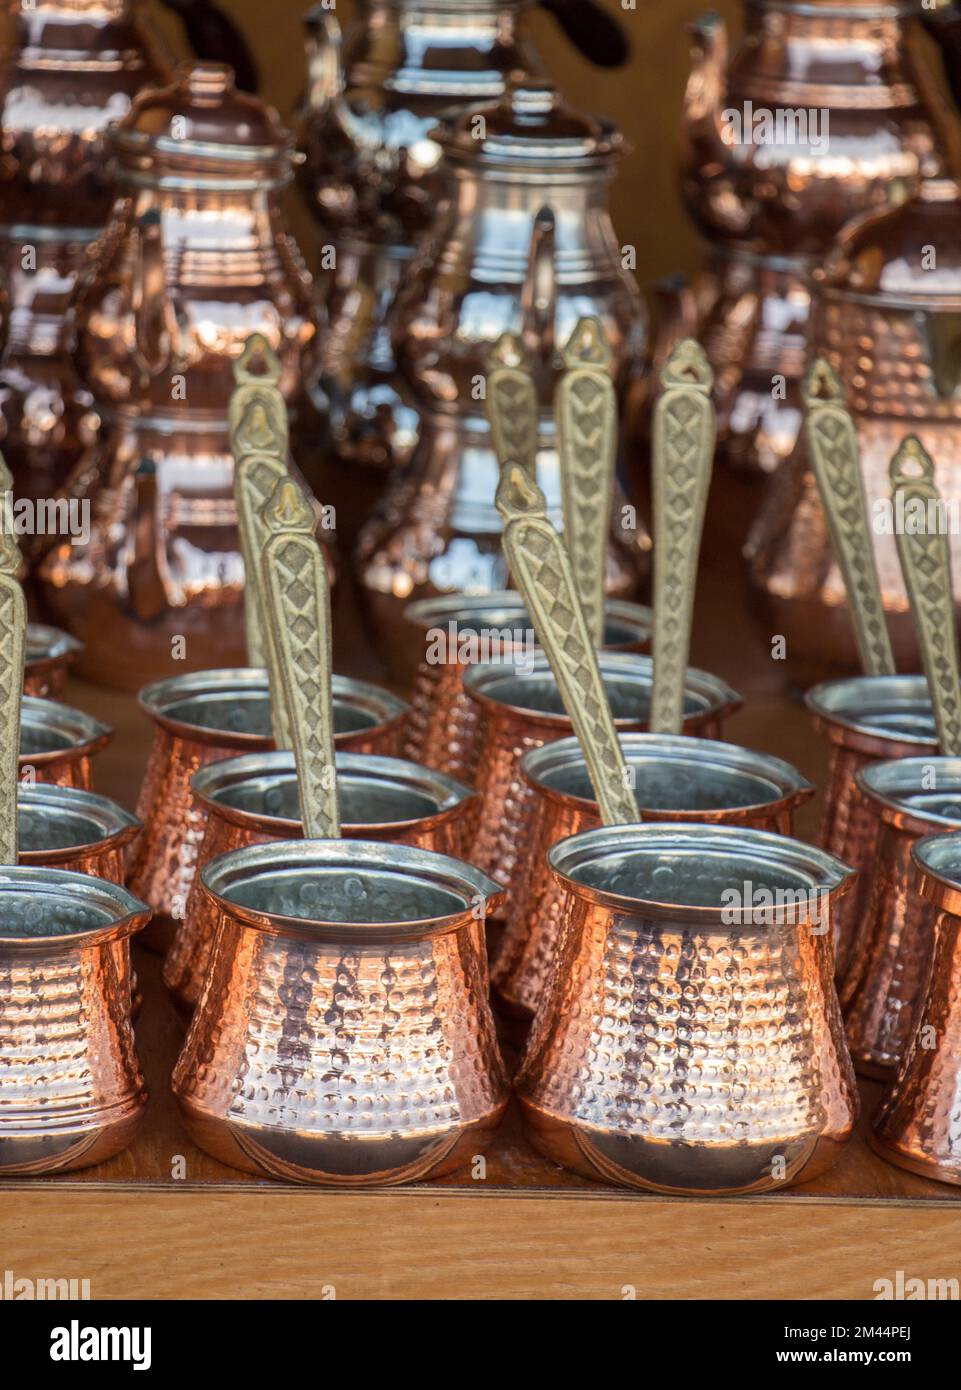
[(71, 1089), (461, 630), (691, 1040), (769, 206), (521, 708), (203, 717), (892, 949), (58, 743), (70, 68), (885, 315), (918, 1125), (374, 178), (49, 655), (196, 259), (525, 246), (344, 1034), (866, 719), (691, 780), (254, 799)]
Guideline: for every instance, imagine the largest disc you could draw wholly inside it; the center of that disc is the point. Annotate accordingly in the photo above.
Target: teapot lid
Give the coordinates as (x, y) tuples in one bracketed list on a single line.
[(530, 125), (909, 254), (202, 119)]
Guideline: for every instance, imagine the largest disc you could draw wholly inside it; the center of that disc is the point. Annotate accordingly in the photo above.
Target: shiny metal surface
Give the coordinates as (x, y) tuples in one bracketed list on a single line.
[(71, 1089), (49, 655), (918, 1125), (521, 709), (770, 208), (891, 953), (865, 719), (458, 631), (679, 779), (344, 1034), (58, 743), (197, 257), (254, 799), (69, 69), (678, 1051), (200, 718), (526, 247)]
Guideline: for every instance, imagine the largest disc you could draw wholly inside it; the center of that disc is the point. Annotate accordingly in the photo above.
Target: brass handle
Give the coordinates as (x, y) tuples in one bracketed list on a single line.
[(832, 443), (539, 291), (298, 607), (585, 411), (926, 565), (512, 406), (13, 629), (683, 457), (543, 574)]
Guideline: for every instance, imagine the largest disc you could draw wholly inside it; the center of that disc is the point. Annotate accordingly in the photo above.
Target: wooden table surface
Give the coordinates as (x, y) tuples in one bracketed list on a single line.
[(164, 1221)]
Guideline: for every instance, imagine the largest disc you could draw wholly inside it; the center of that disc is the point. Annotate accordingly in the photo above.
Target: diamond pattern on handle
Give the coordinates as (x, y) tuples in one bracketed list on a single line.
[(13, 627), (512, 406), (835, 461), (255, 478)]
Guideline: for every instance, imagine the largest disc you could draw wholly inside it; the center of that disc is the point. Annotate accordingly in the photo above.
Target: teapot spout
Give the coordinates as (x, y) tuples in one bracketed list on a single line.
[(706, 158)]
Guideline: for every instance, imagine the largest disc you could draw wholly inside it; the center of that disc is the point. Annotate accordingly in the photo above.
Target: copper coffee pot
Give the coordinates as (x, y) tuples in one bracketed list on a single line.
[(499, 263), (197, 258), (70, 69), (770, 207)]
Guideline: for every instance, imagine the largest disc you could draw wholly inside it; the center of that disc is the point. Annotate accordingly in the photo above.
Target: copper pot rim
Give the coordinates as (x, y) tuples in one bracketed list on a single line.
[(792, 788), (83, 735), (842, 725), (719, 700), (937, 859), (886, 784), (48, 647), (816, 869), (440, 871), (463, 609), (386, 710), (118, 827), (124, 912), (209, 782)]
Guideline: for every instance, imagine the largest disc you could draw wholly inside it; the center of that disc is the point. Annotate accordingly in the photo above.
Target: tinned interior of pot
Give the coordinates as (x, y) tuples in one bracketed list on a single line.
[(629, 699), (687, 878), (666, 784), (55, 829), (361, 895), (28, 915), (362, 802), (248, 712)]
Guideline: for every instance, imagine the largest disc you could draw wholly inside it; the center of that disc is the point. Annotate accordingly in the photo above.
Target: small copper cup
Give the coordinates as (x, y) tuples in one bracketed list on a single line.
[(691, 1039), (49, 655), (521, 708), (699, 781), (909, 799), (58, 743), (254, 799), (918, 1125), (459, 631), (867, 719), (344, 1034), (200, 718), (74, 1093)]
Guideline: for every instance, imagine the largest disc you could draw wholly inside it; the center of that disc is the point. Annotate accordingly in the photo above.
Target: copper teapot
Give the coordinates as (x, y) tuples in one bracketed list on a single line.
[(70, 68), (825, 110), (499, 261), (196, 259)]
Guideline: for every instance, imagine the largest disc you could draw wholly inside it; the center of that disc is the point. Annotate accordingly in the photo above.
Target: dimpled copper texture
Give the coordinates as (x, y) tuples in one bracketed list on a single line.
[(700, 781), (685, 1046), (49, 656), (520, 709), (200, 718), (892, 950), (918, 1125), (252, 800), (344, 1034), (71, 1090), (460, 631), (58, 743), (866, 719)]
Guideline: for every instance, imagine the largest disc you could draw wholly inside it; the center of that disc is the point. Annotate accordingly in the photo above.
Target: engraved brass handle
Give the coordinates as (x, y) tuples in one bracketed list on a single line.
[(298, 608), (13, 629), (542, 572), (832, 443), (512, 405), (683, 457), (926, 564)]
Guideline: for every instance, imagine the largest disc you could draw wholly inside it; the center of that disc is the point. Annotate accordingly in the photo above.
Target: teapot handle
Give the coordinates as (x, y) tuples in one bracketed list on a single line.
[(154, 317), (539, 291), (325, 67)]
